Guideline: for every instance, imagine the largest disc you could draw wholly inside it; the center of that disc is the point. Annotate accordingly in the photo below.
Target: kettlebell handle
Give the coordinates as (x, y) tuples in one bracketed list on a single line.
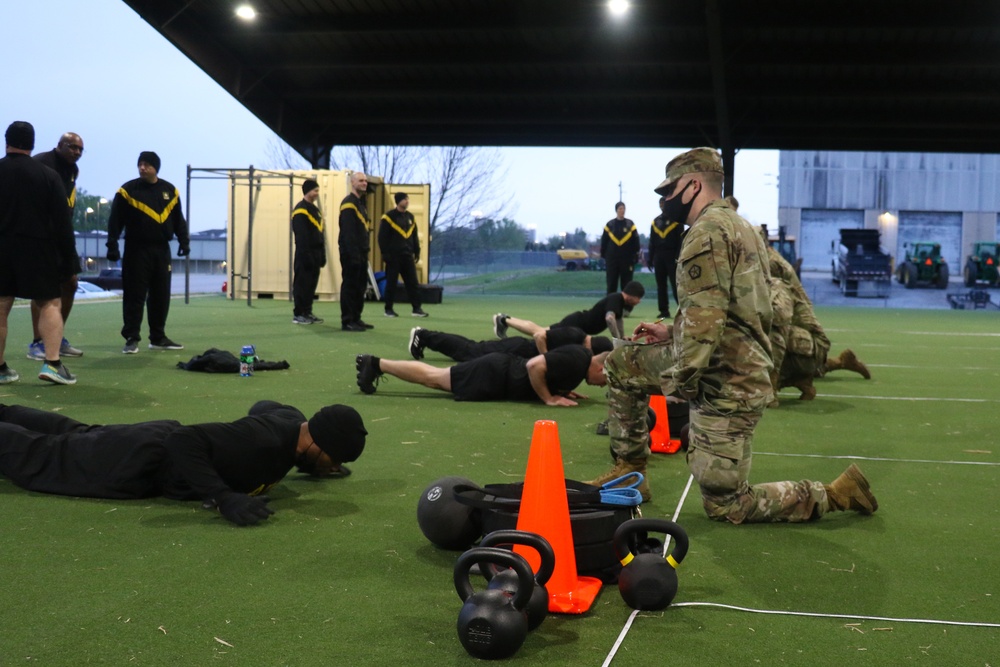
[(632, 526), (525, 579), (528, 539)]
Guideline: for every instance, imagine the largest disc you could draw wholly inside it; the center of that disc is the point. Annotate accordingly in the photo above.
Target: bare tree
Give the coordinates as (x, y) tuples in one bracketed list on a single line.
[(395, 164), (281, 156)]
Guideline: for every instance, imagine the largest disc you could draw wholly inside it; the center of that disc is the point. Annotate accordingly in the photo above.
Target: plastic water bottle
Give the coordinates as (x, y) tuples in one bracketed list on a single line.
[(247, 356)]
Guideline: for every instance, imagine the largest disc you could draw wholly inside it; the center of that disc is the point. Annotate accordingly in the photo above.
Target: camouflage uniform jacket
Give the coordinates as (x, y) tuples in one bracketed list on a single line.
[(721, 346)]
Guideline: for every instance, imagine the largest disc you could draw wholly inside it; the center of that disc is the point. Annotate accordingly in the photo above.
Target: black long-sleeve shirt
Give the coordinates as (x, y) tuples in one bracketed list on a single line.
[(620, 241), (68, 173), (148, 213), (354, 229), (397, 234), (307, 225), (664, 239), (158, 458), (33, 205)]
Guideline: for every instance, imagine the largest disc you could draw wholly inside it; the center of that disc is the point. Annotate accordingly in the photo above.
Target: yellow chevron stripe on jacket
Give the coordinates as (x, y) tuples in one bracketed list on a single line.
[(666, 230), (159, 218), (71, 199), (407, 234), (318, 223), (344, 207), (615, 238)]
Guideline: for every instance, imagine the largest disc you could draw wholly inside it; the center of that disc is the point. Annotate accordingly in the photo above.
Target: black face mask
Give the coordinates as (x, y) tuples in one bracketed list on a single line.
[(674, 210)]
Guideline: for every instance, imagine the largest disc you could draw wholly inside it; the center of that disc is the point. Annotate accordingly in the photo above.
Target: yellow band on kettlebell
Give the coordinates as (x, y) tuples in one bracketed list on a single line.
[(627, 559), (673, 563)]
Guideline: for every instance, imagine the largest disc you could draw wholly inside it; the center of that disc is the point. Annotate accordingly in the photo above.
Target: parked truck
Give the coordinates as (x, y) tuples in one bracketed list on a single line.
[(859, 265)]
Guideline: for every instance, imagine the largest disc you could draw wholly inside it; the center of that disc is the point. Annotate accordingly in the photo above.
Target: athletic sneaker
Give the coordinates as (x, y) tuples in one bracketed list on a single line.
[(368, 373), (131, 346), (419, 313), (165, 344), (59, 375), (8, 376), (301, 319), (36, 351), (314, 319), (416, 347), (365, 324), (67, 350), (391, 313), (500, 325)]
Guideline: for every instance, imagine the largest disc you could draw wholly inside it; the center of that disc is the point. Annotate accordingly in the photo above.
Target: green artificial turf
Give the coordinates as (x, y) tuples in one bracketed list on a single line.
[(341, 574)]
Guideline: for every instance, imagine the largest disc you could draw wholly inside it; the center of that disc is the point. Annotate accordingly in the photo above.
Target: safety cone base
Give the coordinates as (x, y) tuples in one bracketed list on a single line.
[(579, 600), (668, 446)]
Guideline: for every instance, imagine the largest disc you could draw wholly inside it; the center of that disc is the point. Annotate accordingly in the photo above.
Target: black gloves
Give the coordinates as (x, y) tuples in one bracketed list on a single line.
[(113, 253), (183, 250), (244, 510)]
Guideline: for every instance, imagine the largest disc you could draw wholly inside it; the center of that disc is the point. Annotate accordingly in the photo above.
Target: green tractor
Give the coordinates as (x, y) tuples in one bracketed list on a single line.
[(982, 264), (923, 266)]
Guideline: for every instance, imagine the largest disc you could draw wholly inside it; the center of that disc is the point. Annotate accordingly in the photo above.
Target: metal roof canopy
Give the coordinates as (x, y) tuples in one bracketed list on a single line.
[(887, 75)]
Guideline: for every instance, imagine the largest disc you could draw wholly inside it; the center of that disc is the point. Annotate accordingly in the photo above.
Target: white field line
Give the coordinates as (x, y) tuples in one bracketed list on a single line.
[(950, 334), (851, 457), (978, 369), (858, 617), (935, 399), (631, 618)]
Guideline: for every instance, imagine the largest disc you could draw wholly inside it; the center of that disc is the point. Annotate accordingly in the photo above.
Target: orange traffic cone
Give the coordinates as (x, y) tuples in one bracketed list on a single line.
[(659, 438), (545, 510)]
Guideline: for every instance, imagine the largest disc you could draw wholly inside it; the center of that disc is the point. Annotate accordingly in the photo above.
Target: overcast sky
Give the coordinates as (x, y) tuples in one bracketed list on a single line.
[(94, 67)]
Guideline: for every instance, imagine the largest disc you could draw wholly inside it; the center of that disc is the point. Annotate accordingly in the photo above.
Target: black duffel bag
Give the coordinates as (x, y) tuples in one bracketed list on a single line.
[(592, 521)]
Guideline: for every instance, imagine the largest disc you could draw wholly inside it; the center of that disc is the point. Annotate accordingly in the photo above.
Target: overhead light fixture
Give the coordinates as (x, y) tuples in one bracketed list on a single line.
[(618, 7), (246, 12)]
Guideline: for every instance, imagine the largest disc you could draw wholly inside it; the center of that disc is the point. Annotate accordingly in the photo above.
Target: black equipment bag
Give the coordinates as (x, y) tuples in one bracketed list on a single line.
[(592, 521)]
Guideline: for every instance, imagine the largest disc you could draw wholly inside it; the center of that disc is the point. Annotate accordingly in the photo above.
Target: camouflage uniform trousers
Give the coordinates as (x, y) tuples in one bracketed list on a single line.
[(719, 456), (633, 373)]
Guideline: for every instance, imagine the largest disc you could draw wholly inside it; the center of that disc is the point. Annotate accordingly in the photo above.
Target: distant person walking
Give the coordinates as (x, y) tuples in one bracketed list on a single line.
[(664, 248), (148, 210), (355, 245), (400, 246), (620, 249), (36, 243), (62, 159), (310, 253)]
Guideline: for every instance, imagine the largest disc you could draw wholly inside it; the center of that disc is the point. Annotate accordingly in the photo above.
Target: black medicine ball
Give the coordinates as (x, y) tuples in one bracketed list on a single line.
[(443, 520)]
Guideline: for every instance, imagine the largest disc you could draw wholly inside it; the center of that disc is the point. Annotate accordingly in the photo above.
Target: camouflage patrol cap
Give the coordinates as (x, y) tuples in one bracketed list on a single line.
[(696, 160)]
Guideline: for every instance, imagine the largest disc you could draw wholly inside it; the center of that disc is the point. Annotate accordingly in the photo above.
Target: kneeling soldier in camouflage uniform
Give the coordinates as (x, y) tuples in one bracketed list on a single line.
[(718, 357)]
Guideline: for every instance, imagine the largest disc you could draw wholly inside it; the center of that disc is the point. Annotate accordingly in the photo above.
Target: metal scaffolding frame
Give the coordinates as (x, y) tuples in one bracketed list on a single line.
[(252, 176)]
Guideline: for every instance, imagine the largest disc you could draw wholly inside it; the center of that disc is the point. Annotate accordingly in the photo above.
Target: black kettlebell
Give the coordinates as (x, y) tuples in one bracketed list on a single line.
[(648, 581), (492, 623), (507, 580)]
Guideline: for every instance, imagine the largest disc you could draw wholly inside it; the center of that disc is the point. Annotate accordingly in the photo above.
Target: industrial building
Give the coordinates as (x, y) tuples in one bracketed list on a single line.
[(948, 198)]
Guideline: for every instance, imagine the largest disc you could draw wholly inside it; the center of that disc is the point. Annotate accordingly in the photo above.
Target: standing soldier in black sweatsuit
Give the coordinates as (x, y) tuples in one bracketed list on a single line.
[(398, 241), (354, 247), (36, 241), (310, 253), (148, 210), (620, 249), (664, 248), (62, 159)]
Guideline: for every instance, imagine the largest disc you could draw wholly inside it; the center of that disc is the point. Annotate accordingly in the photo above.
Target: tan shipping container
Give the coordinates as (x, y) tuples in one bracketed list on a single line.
[(260, 245)]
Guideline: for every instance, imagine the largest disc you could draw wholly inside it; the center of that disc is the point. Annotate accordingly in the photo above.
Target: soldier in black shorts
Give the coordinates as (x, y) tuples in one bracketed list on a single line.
[(461, 348), (550, 377), (605, 314)]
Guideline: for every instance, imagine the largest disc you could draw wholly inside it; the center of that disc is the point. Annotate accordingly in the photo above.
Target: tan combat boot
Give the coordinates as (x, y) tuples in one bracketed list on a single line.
[(848, 361), (851, 491), (623, 467), (807, 389)]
